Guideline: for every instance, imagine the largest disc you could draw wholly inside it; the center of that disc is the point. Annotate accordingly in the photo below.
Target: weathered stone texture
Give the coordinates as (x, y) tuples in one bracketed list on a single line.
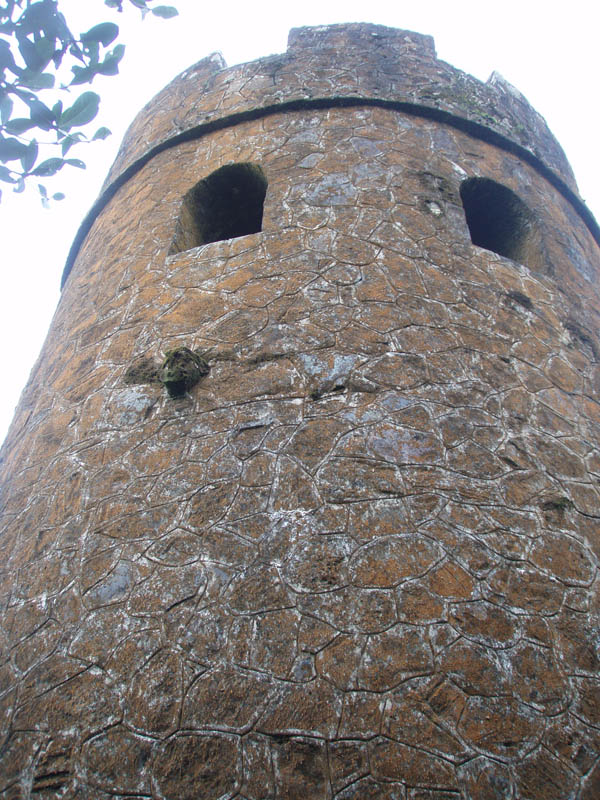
[(357, 559)]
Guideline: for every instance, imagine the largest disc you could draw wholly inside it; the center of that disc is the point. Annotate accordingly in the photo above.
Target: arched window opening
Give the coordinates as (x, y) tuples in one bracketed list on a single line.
[(500, 221), (226, 204)]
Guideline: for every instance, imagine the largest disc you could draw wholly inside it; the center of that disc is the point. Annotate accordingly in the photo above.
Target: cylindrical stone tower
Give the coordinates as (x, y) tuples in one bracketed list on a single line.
[(301, 500)]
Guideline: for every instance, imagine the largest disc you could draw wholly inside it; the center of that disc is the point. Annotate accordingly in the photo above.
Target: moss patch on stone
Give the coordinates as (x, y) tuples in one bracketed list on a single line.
[(557, 504), (521, 299), (182, 369), (579, 334), (142, 371)]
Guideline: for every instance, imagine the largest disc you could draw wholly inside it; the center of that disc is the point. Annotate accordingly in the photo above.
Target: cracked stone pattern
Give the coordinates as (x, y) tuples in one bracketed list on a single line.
[(359, 558)]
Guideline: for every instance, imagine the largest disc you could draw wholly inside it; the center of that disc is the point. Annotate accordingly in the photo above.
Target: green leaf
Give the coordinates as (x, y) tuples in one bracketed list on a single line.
[(49, 167), (5, 175), (11, 150), (37, 17), (9, 7), (37, 55), (92, 51), (36, 81), (105, 33), (46, 47), (60, 29), (42, 190), (76, 51), (30, 157), (83, 74), (20, 125), (29, 53), (58, 196), (101, 133), (75, 162), (69, 140), (83, 110), (20, 187), (25, 95), (6, 58), (66, 144), (44, 17), (118, 52), (166, 12), (110, 65), (118, 4), (40, 114), (6, 107)]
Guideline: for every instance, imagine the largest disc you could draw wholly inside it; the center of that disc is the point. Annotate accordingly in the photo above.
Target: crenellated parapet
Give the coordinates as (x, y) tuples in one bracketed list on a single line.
[(338, 63)]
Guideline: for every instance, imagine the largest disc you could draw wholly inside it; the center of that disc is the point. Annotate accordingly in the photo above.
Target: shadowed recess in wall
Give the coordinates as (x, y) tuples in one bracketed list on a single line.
[(500, 221), (226, 204)]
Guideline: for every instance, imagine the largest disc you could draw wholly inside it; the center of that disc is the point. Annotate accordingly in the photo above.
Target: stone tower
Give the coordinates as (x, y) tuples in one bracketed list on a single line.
[(301, 500)]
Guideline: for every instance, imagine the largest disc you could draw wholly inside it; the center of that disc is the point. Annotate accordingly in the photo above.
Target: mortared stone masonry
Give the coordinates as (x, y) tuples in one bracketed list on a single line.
[(302, 497)]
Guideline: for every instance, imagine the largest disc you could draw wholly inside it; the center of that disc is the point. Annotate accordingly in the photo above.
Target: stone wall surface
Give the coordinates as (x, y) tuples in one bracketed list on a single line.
[(358, 559)]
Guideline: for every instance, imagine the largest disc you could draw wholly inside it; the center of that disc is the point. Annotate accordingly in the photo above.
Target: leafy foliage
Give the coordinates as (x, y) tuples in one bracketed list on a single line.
[(36, 49)]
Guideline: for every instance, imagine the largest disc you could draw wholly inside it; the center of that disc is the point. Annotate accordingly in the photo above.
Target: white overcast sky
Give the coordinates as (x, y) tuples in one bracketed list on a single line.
[(549, 51)]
